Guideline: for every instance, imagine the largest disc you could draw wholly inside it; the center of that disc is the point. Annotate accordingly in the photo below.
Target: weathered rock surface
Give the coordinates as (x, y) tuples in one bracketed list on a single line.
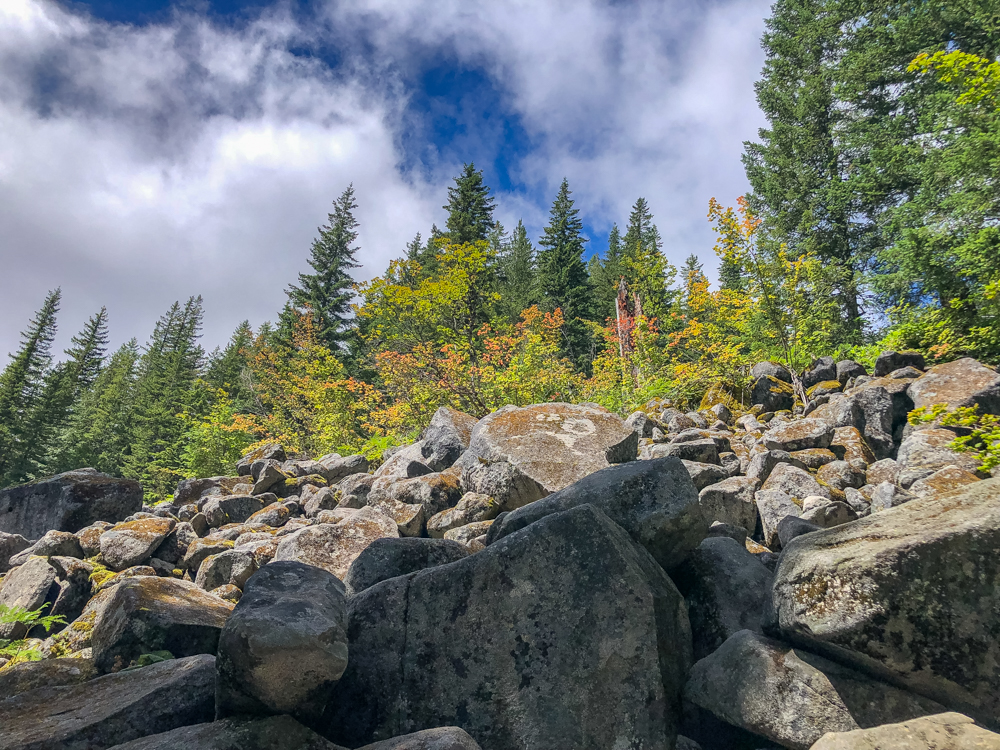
[(27, 586), (725, 588), (133, 542), (795, 482), (111, 710), (889, 361), (654, 501), (911, 594), (798, 435), (31, 675), (231, 509), (335, 547), (10, 545), (731, 501), (561, 587), (471, 508), (388, 558), (790, 696), (518, 455), (285, 644), (271, 733), (67, 502), (232, 567), (446, 437), (950, 731), (147, 614), (442, 738), (53, 543), (774, 506), (929, 450), (964, 382)]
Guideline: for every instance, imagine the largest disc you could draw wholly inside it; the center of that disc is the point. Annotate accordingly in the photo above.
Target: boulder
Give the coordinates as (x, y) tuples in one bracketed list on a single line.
[(518, 455), (427, 650), (471, 508), (111, 710), (147, 614), (232, 567), (446, 437), (640, 424), (930, 450), (442, 738), (231, 509), (889, 361), (798, 435), (466, 535), (774, 506), (267, 478), (943, 480), (133, 542), (335, 547), (790, 527), (405, 462), (270, 452), (725, 588), (793, 481), (771, 369), (10, 545), (772, 393), (821, 369), (285, 644), (703, 451), (790, 696), (847, 369), (353, 491), (840, 475), (315, 500), (964, 382), (762, 464), (731, 501), (28, 586), (388, 558), (702, 475), (67, 502), (654, 501), (270, 733), (910, 594), (60, 543), (950, 731), (31, 675), (274, 515), (175, 546), (200, 549), (335, 468)]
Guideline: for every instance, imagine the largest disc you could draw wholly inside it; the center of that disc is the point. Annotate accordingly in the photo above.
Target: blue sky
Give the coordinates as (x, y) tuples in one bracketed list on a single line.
[(152, 150)]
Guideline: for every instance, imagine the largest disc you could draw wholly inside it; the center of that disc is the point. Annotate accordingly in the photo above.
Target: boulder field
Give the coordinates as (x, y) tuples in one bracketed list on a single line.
[(550, 577)]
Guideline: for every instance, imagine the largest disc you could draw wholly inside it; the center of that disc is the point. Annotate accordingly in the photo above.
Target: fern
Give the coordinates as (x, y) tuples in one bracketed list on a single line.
[(17, 650)]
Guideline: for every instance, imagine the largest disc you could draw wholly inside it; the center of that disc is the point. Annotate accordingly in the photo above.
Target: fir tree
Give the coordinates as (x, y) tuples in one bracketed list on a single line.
[(605, 273), (470, 207), (22, 395), (519, 274), (562, 275), (227, 368), (326, 293), (647, 272)]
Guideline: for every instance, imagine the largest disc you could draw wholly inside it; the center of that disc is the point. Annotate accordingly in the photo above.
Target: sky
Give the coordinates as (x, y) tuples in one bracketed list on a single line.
[(153, 150)]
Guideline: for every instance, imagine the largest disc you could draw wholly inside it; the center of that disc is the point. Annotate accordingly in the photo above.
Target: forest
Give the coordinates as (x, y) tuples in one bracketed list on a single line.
[(872, 223)]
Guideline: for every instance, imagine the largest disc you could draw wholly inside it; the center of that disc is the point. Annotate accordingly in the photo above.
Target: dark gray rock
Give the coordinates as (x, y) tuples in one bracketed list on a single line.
[(133, 542), (725, 588), (702, 475), (230, 568), (562, 588), (60, 543), (911, 594), (336, 469), (67, 502), (388, 558), (111, 710), (654, 501), (641, 424), (285, 644), (28, 586), (762, 464), (731, 501), (847, 369), (147, 614), (821, 369), (442, 738), (964, 382), (271, 451), (773, 506), (727, 531), (877, 415), (791, 527), (793, 697), (703, 451), (772, 393), (889, 361), (771, 369), (10, 545), (271, 733), (31, 675), (446, 437), (220, 511)]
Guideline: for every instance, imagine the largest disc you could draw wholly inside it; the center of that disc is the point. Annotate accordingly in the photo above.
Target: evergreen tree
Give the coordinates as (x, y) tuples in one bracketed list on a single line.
[(731, 275), (23, 401), (227, 368), (99, 432), (326, 293), (165, 389), (605, 273), (647, 273), (518, 274), (562, 275), (470, 207)]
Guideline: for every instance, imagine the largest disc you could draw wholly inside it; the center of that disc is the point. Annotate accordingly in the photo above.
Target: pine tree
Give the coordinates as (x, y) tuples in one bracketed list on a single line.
[(605, 273), (227, 368), (22, 390), (100, 430), (647, 273), (164, 390), (326, 293), (562, 275), (470, 207), (518, 274)]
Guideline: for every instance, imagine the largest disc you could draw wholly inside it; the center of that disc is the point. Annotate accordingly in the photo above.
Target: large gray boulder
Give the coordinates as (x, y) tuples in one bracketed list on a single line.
[(889, 361), (911, 594), (285, 644), (133, 542), (336, 467), (334, 547), (564, 635), (10, 545), (147, 614), (731, 501), (950, 731), (442, 738), (725, 588), (388, 558), (60, 543), (231, 509), (930, 450), (31, 675), (799, 434), (964, 382), (111, 710), (28, 586), (446, 437), (521, 454), (654, 501), (67, 502), (270, 733), (793, 697)]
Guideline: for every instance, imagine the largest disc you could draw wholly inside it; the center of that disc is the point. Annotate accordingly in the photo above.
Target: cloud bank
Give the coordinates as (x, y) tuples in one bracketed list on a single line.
[(142, 164)]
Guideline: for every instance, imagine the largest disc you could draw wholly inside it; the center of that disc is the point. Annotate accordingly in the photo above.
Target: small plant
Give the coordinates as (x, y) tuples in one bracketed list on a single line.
[(18, 650), (983, 439)]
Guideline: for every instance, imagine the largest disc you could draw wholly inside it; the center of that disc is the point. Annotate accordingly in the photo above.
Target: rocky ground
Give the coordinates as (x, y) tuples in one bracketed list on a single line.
[(824, 577)]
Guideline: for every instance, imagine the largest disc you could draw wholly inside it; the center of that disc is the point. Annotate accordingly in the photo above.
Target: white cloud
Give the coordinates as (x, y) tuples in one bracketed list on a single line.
[(139, 165)]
